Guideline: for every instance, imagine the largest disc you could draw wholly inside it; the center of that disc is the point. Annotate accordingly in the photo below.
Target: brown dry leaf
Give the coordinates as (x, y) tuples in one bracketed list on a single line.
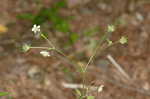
[(3, 29)]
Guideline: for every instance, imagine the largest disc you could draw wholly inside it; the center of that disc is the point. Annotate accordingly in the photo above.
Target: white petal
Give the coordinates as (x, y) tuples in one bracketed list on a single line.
[(38, 26), (45, 53)]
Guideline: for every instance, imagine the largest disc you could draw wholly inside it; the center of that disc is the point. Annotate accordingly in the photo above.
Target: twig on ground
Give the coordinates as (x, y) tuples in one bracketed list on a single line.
[(81, 86), (116, 83), (121, 70)]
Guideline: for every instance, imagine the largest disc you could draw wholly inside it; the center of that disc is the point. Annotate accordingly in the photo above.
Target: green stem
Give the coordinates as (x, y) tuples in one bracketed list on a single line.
[(60, 52), (48, 41), (105, 37)]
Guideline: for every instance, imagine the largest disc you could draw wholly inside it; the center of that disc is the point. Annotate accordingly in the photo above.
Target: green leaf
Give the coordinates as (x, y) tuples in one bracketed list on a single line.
[(78, 92), (4, 93), (66, 70), (27, 16), (44, 35), (90, 97), (60, 4), (62, 25), (74, 37), (41, 17)]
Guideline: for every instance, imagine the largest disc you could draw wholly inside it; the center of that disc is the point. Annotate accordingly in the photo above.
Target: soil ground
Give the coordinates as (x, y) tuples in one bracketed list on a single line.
[(30, 76)]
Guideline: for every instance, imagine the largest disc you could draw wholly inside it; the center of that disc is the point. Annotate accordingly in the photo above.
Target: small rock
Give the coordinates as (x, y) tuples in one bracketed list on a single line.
[(35, 73), (139, 17), (146, 86), (102, 6), (47, 82), (20, 60)]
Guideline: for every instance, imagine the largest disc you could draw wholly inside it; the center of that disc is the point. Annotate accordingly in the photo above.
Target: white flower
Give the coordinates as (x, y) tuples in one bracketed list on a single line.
[(36, 28), (100, 88), (123, 40), (111, 28), (45, 53), (25, 47), (109, 42)]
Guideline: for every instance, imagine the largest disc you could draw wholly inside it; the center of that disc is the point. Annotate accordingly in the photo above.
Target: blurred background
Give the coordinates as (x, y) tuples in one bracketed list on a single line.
[(74, 26)]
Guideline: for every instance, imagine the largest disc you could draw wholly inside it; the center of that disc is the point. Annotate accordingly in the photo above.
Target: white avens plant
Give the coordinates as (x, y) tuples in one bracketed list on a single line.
[(45, 52)]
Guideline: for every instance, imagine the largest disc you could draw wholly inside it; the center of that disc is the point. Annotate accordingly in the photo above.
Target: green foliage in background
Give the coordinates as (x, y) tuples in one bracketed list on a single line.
[(91, 31), (3, 93), (51, 15)]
